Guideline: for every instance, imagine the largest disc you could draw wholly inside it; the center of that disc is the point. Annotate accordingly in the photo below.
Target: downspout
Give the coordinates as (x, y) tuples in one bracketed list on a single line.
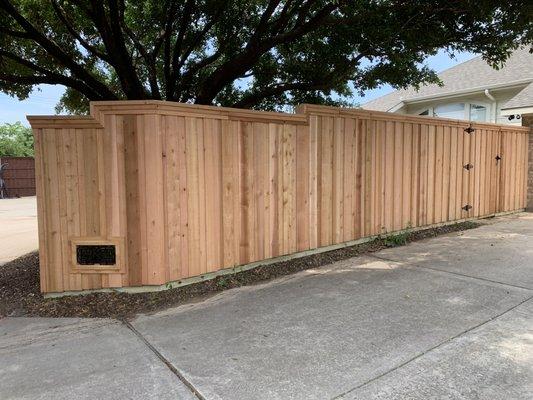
[(487, 93), (494, 108)]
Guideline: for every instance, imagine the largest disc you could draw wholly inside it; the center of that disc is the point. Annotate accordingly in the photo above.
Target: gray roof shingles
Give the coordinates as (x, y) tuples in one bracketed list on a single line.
[(472, 74), (523, 99)]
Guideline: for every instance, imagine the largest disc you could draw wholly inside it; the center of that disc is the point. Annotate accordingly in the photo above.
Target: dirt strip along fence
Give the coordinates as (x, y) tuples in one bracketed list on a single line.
[(145, 193), (19, 176)]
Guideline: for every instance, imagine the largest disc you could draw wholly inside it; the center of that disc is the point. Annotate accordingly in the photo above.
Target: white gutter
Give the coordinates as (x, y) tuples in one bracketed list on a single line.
[(457, 93)]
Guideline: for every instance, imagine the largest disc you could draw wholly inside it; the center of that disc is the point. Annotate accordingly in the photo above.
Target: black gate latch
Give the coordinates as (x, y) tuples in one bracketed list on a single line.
[(467, 207), (468, 166)]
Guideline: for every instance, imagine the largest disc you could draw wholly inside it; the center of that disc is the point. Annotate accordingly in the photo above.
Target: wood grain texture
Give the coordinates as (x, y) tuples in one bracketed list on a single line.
[(191, 190)]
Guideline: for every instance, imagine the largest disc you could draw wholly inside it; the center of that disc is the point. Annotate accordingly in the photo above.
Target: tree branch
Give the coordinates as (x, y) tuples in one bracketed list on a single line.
[(167, 50), (176, 52), (241, 63), (184, 95), (53, 79), (76, 35), (149, 59), (56, 52), (322, 83), (301, 28), (255, 98), (17, 34), (201, 35), (60, 79), (262, 25), (113, 39), (287, 13)]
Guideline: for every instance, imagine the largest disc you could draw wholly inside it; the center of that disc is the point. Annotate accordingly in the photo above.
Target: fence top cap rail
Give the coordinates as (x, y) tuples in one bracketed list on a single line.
[(359, 112), (161, 106), (98, 108), (63, 121)]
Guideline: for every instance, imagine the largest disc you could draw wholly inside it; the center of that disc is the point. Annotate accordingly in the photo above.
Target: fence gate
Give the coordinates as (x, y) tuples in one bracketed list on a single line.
[(482, 170), (494, 171), (512, 166)]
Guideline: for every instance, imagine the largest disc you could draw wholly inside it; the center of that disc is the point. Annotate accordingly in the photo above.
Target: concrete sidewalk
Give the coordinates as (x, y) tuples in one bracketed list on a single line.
[(18, 228), (445, 318)]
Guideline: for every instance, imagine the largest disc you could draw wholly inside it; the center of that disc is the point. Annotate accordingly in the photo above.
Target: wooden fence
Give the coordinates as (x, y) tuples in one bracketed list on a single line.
[(19, 176), (181, 191)]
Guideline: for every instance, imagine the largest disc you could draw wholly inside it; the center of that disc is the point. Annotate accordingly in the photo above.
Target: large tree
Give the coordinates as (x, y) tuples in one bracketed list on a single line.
[(244, 53)]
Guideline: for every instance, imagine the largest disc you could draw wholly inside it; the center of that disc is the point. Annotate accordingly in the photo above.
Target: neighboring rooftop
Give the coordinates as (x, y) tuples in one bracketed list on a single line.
[(472, 75)]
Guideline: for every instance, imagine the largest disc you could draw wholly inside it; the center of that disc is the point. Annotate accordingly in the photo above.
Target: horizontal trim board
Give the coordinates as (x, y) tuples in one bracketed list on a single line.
[(59, 121), (163, 107), (388, 116), (190, 110)]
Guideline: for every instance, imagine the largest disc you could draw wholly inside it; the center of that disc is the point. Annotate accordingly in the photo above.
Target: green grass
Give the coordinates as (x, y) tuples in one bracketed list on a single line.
[(398, 239)]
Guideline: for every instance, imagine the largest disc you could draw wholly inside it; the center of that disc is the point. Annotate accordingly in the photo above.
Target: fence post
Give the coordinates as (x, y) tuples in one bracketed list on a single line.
[(528, 121)]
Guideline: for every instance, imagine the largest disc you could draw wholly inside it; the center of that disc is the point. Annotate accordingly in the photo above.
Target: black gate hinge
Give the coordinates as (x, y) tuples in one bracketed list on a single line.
[(470, 129), (467, 207), (468, 166)]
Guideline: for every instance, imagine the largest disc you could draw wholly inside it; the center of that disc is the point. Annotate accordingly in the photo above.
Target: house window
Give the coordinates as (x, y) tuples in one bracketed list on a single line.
[(478, 112), (454, 111)]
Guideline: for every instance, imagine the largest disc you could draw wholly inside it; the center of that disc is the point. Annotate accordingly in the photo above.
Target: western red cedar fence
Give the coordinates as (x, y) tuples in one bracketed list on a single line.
[(145, 193)]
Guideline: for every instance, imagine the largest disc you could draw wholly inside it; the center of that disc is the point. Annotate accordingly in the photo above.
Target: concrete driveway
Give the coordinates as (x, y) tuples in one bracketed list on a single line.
[(18, 228), (445, 318)]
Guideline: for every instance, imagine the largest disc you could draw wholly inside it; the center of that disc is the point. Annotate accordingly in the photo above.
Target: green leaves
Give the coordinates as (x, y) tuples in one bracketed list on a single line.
[(264, 54), (16, 140)]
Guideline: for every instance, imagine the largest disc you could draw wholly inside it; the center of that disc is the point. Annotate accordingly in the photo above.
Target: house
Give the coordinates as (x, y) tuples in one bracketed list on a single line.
[(473, 91)]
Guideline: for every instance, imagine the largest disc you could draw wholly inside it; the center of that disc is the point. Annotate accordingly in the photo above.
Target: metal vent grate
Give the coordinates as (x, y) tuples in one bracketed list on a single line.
[(96, 254)]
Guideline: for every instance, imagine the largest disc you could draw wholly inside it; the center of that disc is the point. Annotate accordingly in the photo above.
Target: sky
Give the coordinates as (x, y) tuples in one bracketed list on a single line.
[(44, 98)]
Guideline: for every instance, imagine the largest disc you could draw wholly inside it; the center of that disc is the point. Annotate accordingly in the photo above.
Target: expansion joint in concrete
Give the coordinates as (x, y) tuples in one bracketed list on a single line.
[(437, 346), (476, 278), (169, 365)]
